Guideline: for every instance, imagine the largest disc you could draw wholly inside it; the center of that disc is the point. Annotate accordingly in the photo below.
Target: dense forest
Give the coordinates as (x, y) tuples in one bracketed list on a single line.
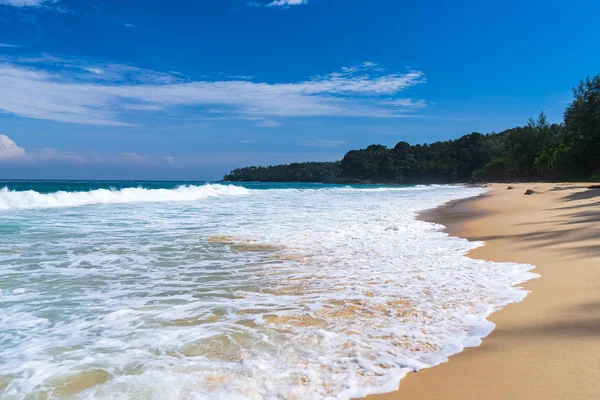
[(295, 172), (537, 151)]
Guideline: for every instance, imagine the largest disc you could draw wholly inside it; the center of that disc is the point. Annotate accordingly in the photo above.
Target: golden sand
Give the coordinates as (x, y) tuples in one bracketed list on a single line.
[(241, 244), (194, 321), (222, 347), (303, 259), (78, 383), (296, 320), (362, 308), (548, 346)]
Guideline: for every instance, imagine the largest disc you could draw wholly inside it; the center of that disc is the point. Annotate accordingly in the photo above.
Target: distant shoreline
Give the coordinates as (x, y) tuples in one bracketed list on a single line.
[(546, 347), (391, 183)]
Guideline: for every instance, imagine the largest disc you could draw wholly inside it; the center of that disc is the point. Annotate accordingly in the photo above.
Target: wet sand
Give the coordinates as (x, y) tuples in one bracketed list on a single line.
[(548, 346)]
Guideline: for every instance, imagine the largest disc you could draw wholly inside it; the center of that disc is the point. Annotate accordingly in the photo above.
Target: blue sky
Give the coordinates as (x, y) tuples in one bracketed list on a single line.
[(191, 89)]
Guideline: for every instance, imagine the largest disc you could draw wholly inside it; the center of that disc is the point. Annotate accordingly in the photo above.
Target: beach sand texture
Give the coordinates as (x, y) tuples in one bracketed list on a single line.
[(548, 346)]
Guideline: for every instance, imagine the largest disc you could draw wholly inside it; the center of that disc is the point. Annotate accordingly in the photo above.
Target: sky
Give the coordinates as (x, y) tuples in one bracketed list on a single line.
[(188, 90)]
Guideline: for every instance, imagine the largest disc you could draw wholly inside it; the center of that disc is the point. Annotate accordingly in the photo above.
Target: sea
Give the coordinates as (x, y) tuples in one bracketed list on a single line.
[(198, 290)]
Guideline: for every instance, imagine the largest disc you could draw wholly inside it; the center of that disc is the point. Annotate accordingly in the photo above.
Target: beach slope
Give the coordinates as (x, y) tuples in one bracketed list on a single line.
[(548, 346)]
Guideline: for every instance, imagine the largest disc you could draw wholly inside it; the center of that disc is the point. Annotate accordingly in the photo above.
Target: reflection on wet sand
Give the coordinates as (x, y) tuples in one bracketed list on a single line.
[(363, 308), (267, 328), (193, 321), (295, 320), (241, 244), (223, 347), (74, 384), (295, 274)]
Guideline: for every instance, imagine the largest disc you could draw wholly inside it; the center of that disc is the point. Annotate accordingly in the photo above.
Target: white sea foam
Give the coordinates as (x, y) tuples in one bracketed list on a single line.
[(31, 199), (314, 294)]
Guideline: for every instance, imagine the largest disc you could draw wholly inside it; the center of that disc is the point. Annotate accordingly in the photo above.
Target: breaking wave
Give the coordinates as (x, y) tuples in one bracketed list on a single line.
[(29, 199), (306, 293)]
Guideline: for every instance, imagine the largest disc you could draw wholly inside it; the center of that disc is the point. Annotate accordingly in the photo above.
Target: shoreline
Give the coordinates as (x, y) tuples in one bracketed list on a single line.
[(548, 345)]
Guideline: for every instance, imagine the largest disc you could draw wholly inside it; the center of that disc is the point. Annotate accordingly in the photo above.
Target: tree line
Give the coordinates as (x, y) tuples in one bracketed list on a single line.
[(537, 151)]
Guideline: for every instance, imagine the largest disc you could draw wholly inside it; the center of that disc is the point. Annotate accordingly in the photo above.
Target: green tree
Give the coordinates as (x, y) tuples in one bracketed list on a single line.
[(538, 150), (582, 120)]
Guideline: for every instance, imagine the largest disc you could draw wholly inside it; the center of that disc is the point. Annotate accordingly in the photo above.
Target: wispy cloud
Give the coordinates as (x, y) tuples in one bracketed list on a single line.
[(267, 123), (409, 103), (277, 3), (11, 153), (81, 70), (142, 107), (23, 3), (9, 149), (322, 143), (54, 5), (7, 45), (81, 92), (369, 64), (286, 3), (242, 77)]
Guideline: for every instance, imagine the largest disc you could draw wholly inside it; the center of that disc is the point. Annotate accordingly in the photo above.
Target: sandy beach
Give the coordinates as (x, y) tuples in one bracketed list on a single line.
[(548, 346)]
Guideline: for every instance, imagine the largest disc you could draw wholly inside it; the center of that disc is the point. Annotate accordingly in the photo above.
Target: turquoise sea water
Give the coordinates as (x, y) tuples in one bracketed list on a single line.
[(51, 186), (194, 290)]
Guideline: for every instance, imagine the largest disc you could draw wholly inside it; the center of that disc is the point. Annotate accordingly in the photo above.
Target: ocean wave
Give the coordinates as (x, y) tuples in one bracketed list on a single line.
[(29, 199), (329, 293), (359, 189)]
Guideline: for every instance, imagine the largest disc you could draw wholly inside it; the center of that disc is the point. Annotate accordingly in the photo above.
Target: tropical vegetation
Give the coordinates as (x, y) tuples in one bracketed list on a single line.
[(537, 151)]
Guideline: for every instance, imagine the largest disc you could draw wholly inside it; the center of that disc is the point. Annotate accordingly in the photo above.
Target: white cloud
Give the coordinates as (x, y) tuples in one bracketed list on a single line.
[(96, 71), (9, 149), (53, 5), (409, 103), (51, 154), (322, 143), (9, 46), (286, 3), (267, 123), (369, 64), (129, 158), (24, 3), (242, 77), (79, 92), (80, 70), (142, 107), (11, 153)]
